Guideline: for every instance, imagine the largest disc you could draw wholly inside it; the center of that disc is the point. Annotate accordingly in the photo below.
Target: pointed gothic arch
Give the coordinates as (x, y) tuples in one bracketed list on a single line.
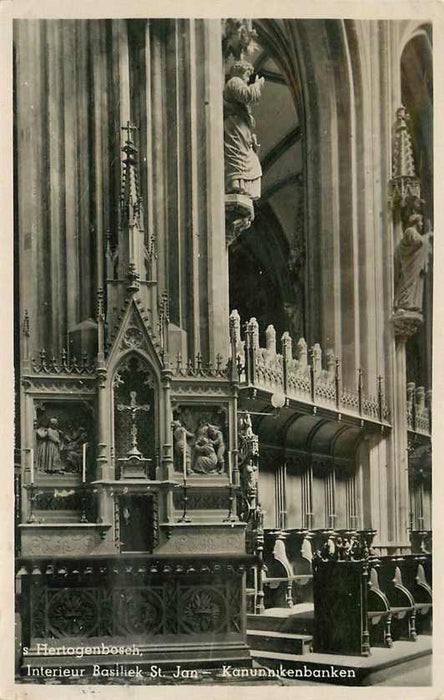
[(135, 409)]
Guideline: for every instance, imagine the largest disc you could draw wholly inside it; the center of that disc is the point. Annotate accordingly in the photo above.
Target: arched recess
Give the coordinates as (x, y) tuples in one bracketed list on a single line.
[(416, 67), (135, 410)]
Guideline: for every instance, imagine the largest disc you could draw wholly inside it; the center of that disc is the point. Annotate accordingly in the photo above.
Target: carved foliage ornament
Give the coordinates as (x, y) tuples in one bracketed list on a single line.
[(133, 338), (172, 607), (66, 543), (203, 610)]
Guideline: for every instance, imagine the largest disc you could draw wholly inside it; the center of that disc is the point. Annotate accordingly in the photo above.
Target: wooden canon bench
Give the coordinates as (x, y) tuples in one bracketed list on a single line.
[(413, 570)]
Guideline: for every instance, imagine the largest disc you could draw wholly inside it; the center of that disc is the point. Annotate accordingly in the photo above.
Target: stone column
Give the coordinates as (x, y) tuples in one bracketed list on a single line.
[(197, 256), (29, 125), (215, 186), (399, 505), (105, 470), (166, 435), (71, 181)]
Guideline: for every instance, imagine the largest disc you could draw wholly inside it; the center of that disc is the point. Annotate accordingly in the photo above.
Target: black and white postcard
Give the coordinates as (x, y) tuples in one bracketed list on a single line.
[(221, 239)]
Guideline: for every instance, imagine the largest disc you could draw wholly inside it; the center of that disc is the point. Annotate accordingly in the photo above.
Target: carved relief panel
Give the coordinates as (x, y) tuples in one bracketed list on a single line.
[(63, 439), (200, 434)]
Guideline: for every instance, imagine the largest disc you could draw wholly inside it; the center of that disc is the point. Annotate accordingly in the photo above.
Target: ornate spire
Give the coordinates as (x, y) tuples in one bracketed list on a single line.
[(403, 161), (100, 305), (26, 324), (164, 319), (404, 185), (130, 200), (26, 357)]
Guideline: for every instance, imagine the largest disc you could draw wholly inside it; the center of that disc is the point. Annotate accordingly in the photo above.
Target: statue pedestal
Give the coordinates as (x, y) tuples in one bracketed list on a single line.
[(406, 323), (239, 215)]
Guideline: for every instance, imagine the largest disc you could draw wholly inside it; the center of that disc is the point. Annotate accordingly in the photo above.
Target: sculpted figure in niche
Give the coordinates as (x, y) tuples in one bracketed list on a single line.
[(48, 448), (411, 259), (217, 439), (209, 450), (205, 458), (182, 437), (242, 167), (71, 450)]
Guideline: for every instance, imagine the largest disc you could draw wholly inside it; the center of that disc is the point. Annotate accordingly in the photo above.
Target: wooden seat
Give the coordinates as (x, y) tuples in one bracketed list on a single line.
[(413, 569), (288, 571), (379, 612), (402, 603)]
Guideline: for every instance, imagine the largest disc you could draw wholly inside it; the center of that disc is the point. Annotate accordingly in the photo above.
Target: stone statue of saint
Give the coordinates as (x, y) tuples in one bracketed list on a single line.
[(242, 167), (411, 257), (205, 457), (71, 449), (217, 439), (48, 448), (181, 438)]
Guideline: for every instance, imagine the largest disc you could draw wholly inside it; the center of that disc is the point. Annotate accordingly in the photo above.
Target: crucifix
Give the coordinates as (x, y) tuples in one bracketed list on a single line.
[(129, 128), (133, 408)]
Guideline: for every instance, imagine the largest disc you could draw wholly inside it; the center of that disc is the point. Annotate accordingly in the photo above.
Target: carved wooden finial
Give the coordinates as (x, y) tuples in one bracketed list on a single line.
[(330, 361), (270, 339), (287, 346), (301, 352), (316, 356), (420, 398), (253, 329), (235, 330)]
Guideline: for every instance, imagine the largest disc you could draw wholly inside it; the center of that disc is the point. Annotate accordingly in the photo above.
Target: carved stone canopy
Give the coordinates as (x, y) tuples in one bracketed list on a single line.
[(238, 38), (405, 190)]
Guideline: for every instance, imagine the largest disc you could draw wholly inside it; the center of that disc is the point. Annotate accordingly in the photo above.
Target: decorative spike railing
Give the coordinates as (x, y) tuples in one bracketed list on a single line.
[(197, 368), (45, 364)]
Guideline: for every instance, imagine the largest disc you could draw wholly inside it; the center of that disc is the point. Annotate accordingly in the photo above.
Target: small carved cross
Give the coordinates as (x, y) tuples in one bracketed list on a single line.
[(132, 406), (129, 128)]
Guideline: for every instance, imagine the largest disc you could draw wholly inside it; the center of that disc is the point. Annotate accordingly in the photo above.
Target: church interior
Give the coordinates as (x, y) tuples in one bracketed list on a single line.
[(223, 344)]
